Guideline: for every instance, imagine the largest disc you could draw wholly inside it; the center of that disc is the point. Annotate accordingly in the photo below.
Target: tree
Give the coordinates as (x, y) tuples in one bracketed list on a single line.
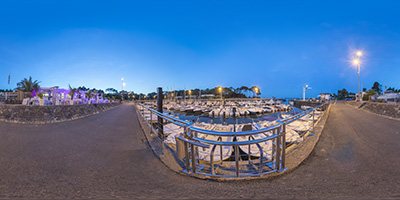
[(83, 88), (72, 91), (369, 94), (392, 89), (28, 85), (112, 90), (342, 94), (244, 89), (377, 87), (89, 95), (152, 95)]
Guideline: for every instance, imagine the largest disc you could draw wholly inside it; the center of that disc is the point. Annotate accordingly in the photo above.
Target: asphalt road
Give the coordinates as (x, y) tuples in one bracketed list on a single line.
[(106, 156)]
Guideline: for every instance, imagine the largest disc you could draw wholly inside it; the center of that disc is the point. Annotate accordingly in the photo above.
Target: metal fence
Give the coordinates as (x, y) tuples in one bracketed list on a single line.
[(229, 154)]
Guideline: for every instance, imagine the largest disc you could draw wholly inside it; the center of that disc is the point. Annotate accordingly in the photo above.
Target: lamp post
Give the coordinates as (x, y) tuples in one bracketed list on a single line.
[(358, 63), (304, 92), (256, 91), (122, 85), (220, 91)]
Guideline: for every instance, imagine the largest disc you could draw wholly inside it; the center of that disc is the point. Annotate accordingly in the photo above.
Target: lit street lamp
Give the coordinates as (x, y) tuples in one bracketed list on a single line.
[(304, 91), (220, 91), (122, 84), (256, 91), (357, 62)]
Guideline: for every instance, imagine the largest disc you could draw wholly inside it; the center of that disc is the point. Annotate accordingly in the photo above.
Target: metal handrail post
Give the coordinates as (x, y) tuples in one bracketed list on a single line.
[(192, 147), (273, 153), (278, 151), (313, 120), (237, 160), (151, 125), (193, 158), (283, 147), (187, 157)]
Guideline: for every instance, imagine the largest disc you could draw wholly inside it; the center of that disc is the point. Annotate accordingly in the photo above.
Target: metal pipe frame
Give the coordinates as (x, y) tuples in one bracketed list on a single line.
[(192, 143)]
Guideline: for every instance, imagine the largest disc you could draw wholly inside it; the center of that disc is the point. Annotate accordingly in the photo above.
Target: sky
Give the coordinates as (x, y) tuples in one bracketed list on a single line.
[(279, 46)]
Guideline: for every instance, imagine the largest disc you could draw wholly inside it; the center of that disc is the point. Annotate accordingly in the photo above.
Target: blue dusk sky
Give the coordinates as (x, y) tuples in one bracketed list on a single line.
[(279, 46)]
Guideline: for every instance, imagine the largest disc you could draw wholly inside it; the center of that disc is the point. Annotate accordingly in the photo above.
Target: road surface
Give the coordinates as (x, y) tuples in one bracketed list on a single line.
[(106, 156)]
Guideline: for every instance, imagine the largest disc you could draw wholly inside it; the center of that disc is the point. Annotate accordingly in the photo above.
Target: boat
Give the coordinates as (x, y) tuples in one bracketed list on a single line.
[(220, 152), (254, 149)]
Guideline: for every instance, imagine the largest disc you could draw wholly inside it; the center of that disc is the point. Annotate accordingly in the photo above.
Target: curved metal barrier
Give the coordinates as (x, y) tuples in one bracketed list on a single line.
[(228, 154)]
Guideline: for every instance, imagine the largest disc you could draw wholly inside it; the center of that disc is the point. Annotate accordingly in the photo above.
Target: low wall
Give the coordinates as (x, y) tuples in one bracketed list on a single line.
[(387, 109), (298, 104), (50, 114)]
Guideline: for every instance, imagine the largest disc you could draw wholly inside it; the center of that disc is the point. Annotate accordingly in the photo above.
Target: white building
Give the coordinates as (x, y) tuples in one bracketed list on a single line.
[(389, 97), (325, 96)]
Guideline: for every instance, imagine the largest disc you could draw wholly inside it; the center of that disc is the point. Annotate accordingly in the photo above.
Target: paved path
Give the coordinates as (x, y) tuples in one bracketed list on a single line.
[(105, 156)]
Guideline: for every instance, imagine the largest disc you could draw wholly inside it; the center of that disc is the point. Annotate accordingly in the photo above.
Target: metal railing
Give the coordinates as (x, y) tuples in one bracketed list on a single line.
[(228, 154)]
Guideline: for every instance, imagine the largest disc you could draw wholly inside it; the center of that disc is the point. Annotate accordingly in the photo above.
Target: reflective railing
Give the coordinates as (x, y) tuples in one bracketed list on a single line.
[(226, 153)]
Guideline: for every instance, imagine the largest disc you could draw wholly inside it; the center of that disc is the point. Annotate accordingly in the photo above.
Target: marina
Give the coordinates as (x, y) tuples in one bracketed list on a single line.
[(228, 111)]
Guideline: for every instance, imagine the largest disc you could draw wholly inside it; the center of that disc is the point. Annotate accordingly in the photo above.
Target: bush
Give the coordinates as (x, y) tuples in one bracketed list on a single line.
[(365, 97)]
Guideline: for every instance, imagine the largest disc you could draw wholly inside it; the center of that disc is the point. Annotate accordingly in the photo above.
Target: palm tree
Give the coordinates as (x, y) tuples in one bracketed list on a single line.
[(72, 93), (245, 89), (28, 85), (111, 90), (89, 95)]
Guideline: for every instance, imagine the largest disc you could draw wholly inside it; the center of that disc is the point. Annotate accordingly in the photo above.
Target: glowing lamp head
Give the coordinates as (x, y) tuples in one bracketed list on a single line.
[(356, 62), (220, 89), (124, 84), (359, 53), (122, 79)]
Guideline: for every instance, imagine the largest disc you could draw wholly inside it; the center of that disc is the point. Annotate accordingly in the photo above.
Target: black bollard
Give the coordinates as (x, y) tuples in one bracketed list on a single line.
[(160, 110)]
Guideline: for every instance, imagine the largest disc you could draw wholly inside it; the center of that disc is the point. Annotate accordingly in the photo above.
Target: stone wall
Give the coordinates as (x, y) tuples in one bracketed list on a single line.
[(50, 114), (298, 103), (386, 109)]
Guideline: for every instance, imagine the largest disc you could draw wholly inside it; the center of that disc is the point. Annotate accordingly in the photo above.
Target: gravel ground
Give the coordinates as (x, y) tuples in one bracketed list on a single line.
[(105, 156)]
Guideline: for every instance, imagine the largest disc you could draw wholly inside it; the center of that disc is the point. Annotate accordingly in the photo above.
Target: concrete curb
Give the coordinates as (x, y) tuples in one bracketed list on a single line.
[(296, 154)]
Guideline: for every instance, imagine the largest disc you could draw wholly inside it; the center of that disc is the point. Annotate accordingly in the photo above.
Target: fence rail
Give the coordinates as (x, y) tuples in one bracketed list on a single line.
[(227, 154)]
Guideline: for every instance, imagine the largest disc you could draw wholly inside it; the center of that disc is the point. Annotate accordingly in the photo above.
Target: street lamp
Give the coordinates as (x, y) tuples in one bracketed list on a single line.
[(304, 91), (122, 84), (189, 93), (256, 90), (220, 91), (357, 62)]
